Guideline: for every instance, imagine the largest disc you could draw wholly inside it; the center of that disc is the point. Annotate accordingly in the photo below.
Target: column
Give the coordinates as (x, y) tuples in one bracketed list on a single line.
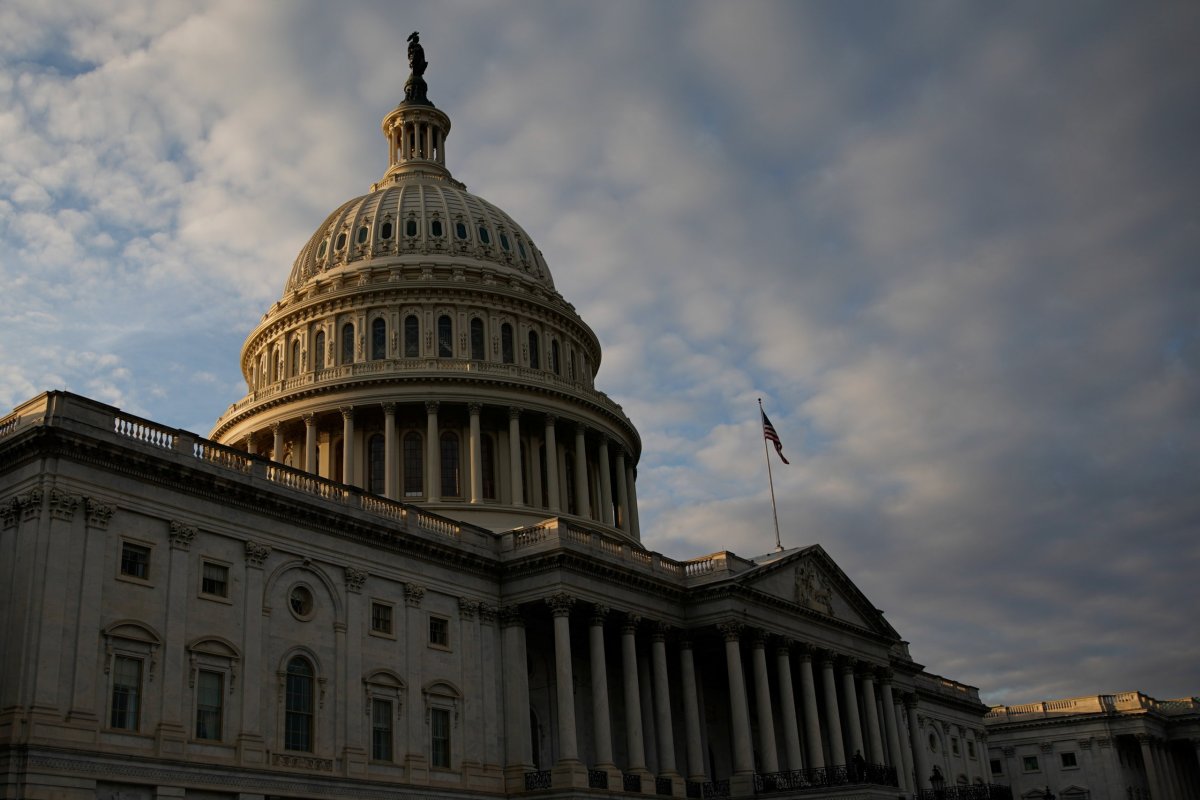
[(391, 454), (250, 741), (583, 501), (918, 746), (606, 504), (662, 702), (622, 490), (889, 725), (348, 635), (787, 704), (172, 731), (905, 765), (514, 457), (768, 752), (631, 479), (310, 443), (691, 712), (554, 500), (251, 448), (1151, 763), (837, 755), (633, 699), (476, 453), (348, 471), (808, 702), (601, 724), (872, 713), (850, 698), (517, 757), (433, 453), (277, 442), (564, 680), (743, 752)]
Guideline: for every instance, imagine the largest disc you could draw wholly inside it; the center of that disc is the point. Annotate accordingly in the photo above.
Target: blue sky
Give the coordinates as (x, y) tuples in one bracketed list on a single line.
[(952, 246)]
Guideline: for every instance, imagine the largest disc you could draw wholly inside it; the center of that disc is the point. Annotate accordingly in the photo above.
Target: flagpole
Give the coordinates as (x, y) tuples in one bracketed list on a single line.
[(771, 480)]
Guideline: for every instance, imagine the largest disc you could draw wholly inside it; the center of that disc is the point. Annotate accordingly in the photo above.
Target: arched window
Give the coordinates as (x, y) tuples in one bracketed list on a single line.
[(555, 364), (295, 365), (376, 468), (445, 337), (450, 465), (275, 364), (412, 336), (506, 344), (477, 348), (570, 481), (348, 343), (535, 360), (363, 233), (487, 457), (378, 339), (298, 725), (385, 232), (319, 351), (414, 460)]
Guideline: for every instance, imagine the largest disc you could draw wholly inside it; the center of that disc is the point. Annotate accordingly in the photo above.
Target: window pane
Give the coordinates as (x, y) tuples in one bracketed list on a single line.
[(445, 337), (215, 580), (381, 618), (378, 340), (487, 457), (319, 355), (135, 560), (414, 473), (450, 486), (299, 706), (412, 337), (534, 358), (209, 697), (375, 465), (506, 344), (347, 343), (555, 366), (439, 632), (477, 347), (381, 730), (439, 746), (126, 693)]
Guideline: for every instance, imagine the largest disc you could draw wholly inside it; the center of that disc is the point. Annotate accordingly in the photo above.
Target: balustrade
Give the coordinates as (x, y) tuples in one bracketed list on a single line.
[(793, 780), (972, 791), (537, 780)]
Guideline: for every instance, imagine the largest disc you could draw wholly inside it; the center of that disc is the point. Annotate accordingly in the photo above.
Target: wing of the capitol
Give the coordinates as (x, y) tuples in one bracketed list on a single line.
[(408, 564)]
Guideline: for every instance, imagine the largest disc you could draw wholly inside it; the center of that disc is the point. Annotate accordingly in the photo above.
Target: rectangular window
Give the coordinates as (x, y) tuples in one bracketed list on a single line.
[(1068, 760), (439, 738), (954, 745), (381, 730), (1030, 763), (135, 561), (126, 693), (996, 768), (970, 748), (381, 618), (209, 704), (439, 632), (215, 580)]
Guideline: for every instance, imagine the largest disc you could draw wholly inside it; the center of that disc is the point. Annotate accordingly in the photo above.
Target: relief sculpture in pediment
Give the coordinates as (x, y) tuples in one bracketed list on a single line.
[(812, 589)]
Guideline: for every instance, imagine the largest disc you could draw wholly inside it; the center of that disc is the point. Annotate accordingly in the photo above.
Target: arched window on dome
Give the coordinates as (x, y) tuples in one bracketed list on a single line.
[(451, 486), (410, 228), (376, 470), (555, 363), (378, 339), (348, 343), (569, 465), (298, 718), (319, 351), (535, 359), (385, 230), (573, 365), (414, 465), (507, 353), (504, 244), (487, 459), (294, 366), (477, 347), (435, 228), (485, 236), (445, 330), (460, 230), (275, 364), (361, 236), (412, 336)]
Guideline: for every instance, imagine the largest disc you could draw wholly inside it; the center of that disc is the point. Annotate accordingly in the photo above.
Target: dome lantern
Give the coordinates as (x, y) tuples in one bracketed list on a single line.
[(415, 129)]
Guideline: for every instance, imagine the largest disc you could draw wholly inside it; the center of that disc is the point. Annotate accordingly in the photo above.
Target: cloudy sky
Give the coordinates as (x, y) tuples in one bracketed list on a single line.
[(953, 246)]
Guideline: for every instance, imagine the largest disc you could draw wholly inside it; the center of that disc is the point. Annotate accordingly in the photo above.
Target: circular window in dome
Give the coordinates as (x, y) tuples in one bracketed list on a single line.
[(460, 230), (341, 241), (300, 602), (385, 230), (484, 236)]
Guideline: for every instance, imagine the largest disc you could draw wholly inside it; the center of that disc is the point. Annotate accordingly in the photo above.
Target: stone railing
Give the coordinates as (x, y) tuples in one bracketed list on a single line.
[(801, 780), (946, 687), (973, 791), (1122, 702)]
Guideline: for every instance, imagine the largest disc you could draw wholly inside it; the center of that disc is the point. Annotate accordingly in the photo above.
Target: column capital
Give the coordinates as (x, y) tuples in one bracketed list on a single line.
[(805, 650), (732, 631), (181, 535), (630, 625), (467, 608), (580, 428), (256, 554), (684, 639), (551, 419), (560, 604), (848, 665), (474, 408), (414, 593), (389, 408), (511, 617), (659, 631), (514, 412), (431, 406), (275, 426), (487, 613), (347, 412), (758, 639), (884, 675), (783, 646), (355, 578), (827, 657), (310, 419), (599, 612)]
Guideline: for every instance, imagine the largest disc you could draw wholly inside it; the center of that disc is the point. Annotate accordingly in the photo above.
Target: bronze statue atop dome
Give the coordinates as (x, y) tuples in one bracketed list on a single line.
[(415, 88)]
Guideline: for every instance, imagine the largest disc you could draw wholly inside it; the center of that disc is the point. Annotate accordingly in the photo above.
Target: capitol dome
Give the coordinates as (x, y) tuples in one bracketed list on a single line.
[(421, 353)]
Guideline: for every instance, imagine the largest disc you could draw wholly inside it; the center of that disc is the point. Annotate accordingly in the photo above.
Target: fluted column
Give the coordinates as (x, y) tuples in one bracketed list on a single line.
[(554, 501), (622, 490), (635, 742), (564, 679), (808, 702), (391, 464), (277, 442), (601, 724), (516, 478), (889, 725), (768, 752), (473, 410), (517, 755), (310, 443), (349, 473), (606, 500), (833, 717), (1152, 776), (251, 447), (906, 748), (787, 708), (921, 765), (433, 453), (850, 707), (739, 712), (691, 712), (662, 702), (631, 478), (583, 501), (874, 733)]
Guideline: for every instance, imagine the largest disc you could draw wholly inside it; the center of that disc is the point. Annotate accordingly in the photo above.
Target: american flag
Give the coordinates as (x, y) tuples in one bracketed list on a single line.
[(771, 436)]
